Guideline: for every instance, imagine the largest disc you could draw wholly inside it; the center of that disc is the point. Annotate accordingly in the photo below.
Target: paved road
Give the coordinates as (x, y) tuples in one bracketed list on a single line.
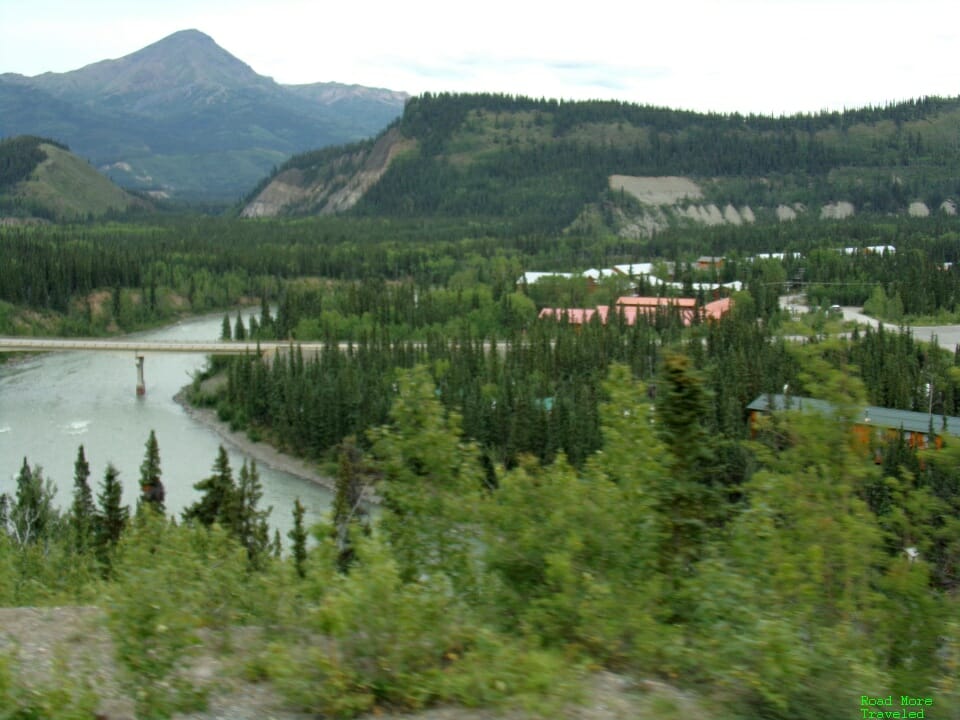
[(947, 335)]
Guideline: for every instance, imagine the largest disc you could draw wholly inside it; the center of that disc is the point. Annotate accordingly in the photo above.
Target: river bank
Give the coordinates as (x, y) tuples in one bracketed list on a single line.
[(263, 453)]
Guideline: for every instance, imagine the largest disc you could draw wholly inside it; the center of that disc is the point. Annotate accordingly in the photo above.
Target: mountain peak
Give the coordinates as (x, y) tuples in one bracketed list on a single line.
[(186, 64), (191, 34), (184, 41), (193, 49)]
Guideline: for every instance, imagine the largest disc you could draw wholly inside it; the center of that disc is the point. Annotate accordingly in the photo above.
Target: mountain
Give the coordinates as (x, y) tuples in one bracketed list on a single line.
[(547, 165), (42, 178), (185, 118)]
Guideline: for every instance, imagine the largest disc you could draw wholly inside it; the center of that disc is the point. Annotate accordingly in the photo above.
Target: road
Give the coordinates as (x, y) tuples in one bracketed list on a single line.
[(947, 335)]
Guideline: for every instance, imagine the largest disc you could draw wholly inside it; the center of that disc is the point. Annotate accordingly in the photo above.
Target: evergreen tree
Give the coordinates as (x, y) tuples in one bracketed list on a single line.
[(112, 517), (276, 547), (83, 511), (218, 501), (298, 536), (239, 331), (151, 486), (251, 526), (265, 320), (348, 510), (225, 328), (688, 500)]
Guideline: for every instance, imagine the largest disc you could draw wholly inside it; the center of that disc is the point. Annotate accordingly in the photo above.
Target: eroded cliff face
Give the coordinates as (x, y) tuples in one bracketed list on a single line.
[(336, 188), (670, 201)]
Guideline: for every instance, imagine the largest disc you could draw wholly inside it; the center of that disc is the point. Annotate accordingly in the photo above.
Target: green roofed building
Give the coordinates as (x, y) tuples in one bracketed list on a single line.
[(916, 425)]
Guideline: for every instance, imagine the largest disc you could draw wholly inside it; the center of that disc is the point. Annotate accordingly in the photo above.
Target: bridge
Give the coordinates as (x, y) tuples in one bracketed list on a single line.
[(269, 348), (222, 347), (139, 347)]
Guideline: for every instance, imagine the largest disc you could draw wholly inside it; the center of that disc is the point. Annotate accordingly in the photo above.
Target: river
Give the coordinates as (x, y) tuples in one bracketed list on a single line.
[(52, 403)]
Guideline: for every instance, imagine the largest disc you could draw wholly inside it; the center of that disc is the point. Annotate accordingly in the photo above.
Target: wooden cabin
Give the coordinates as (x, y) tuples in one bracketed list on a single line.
[(709, 262), (873, 425)]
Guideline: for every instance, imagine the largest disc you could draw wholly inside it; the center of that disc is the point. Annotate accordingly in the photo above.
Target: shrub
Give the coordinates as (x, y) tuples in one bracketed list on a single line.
[(374, 639), (63, 698), (171, 581)]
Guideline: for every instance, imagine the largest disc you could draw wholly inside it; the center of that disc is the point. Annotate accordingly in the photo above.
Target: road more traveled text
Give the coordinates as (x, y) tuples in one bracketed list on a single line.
[(873, 707)]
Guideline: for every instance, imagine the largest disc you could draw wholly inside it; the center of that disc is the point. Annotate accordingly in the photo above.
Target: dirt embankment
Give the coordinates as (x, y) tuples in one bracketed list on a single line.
[(669, 190), (77, 635), (350, 176)]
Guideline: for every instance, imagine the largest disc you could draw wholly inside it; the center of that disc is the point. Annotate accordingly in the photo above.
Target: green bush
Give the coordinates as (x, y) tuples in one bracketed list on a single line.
[(63, 698), (376, 640), (171, 582)]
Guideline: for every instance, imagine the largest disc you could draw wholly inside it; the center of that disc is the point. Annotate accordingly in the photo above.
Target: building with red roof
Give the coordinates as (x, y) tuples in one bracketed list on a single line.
[(630, 308)]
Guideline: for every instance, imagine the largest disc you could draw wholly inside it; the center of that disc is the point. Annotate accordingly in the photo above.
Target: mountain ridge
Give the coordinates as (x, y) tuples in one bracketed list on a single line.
[(554, 164), (190, 116)]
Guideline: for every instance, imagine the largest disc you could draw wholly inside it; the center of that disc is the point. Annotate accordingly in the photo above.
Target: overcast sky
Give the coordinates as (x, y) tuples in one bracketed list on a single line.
[(760, 56)]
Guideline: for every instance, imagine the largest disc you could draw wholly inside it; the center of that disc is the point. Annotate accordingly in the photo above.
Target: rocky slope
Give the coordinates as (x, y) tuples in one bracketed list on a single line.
[(294, 191)]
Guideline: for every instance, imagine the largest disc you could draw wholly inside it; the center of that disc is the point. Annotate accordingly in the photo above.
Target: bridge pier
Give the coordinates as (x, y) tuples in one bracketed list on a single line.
[(141, 385)]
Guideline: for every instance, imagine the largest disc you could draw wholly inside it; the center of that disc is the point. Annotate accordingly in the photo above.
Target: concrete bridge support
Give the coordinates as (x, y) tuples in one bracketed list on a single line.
[(141, 385)]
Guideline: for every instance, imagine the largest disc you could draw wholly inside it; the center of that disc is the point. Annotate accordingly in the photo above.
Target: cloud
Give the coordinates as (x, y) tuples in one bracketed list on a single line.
[(767, 56)]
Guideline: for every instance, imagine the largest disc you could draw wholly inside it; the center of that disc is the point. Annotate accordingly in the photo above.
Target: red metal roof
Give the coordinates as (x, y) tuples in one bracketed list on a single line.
[(655, 302), (716, 309), (631, 307)]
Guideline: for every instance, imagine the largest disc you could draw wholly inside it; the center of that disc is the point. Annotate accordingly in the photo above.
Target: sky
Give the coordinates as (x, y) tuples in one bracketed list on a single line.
[(769, 57)]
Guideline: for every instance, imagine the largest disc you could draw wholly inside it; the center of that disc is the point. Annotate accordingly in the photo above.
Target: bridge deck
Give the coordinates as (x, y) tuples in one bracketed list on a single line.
[(35, 344)]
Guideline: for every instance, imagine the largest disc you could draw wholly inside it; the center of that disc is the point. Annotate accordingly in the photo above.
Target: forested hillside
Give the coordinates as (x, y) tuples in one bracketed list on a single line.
[(19, 156), (540, 162), (41, 178)]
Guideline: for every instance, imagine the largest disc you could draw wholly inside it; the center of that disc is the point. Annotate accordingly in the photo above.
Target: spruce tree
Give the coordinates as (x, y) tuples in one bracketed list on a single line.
[(112, 517), (219, 495), (239, 331), (265, 320), (348, 510), (151, 486), (298, 536), (225, 328), (689, 500), (83, 511), (251, 524), (276, 547)]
